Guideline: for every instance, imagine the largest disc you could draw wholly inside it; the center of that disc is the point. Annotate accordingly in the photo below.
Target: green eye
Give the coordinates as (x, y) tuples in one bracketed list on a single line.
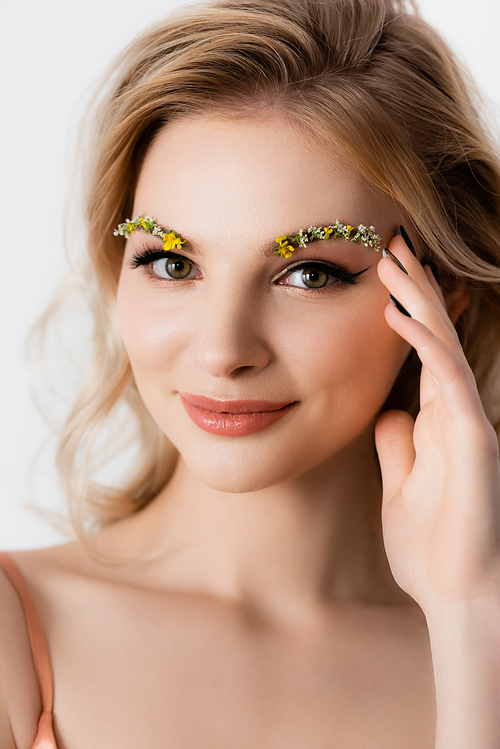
[(314, 279), (172, 267), (316, 276)]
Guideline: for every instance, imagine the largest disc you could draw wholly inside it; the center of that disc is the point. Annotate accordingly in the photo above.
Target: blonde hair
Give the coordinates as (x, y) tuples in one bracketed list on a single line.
[(369, 75)]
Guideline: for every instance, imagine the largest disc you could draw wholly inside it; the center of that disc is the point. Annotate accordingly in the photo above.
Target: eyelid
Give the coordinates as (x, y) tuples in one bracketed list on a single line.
[(335, 269), (300, 263), (146, 255)]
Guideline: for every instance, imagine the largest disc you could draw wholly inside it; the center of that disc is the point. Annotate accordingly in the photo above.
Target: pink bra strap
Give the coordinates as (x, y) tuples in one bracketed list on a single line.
[(41, 656)]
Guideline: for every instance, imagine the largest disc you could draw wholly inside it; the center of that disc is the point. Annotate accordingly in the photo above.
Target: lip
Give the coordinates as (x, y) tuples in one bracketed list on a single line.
[(233, 406), (233, 417)]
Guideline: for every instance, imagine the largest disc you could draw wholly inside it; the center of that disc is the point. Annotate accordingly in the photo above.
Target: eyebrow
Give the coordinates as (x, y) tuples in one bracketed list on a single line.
[(266, 251)]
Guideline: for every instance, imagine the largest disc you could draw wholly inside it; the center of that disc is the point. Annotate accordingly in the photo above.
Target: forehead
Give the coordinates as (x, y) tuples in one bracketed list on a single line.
[(236, 178)]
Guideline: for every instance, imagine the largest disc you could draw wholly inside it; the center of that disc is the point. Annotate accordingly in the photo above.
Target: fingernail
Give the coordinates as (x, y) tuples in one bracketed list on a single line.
[(402, 233), (389, 254), (433, 268), (399, 306)]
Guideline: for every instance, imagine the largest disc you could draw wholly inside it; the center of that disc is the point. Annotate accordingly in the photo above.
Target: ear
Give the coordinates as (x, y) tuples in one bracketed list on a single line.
[(457, 300)]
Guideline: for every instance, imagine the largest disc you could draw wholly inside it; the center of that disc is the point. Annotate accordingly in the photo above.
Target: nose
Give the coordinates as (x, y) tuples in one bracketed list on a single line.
[(229, 335)]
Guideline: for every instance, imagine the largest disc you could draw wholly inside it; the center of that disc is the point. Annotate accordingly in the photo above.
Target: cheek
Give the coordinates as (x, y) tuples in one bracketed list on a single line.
[(153, 336), (348, 358), (343, 364)]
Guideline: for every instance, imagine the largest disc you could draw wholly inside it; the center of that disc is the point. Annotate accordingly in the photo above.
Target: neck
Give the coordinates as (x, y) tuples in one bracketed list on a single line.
[(285, 551)]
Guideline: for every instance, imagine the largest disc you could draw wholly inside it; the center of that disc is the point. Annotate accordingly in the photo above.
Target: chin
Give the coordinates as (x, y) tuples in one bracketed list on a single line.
[(242, 468), (237, 472), (237, 484)]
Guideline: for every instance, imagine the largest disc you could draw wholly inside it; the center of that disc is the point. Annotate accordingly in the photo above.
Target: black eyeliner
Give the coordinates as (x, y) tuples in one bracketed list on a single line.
[(148, 255), (337, 272)]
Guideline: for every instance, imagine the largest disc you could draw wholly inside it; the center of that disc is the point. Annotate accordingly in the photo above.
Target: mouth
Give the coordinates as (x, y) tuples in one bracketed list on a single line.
[(233, 417), (234, 406)]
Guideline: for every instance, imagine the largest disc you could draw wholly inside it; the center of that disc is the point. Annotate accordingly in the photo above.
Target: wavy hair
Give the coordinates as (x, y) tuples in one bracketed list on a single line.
[(368, 75)]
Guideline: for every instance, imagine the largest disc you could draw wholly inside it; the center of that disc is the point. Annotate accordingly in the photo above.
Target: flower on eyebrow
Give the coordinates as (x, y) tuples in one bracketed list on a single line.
[(316, 232), (169, 238), (360, 234), (284, 249), (172, 240), (301, 238)]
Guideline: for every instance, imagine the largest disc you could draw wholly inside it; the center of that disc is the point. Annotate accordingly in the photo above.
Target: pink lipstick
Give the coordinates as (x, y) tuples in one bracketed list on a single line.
[(233, 418)]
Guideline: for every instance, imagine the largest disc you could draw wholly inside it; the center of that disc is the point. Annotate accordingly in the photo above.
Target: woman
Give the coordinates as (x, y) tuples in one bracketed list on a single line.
[(293, 560)]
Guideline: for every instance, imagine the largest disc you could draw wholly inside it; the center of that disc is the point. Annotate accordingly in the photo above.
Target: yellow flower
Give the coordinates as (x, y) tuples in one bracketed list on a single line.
[(327, 231), (143, 223), (172, 240), (285, 249), (349, 230)]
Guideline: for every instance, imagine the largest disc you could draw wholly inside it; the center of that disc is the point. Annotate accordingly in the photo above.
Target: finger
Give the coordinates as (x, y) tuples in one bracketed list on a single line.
[(396, 452), (447, 368), (419, 274), (411, 295)]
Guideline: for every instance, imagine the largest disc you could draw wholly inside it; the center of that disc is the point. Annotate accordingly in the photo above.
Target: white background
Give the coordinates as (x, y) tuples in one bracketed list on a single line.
[(50, 54)]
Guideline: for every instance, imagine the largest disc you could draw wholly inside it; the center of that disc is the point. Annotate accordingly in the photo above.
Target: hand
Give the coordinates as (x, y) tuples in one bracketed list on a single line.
[(441, 473)]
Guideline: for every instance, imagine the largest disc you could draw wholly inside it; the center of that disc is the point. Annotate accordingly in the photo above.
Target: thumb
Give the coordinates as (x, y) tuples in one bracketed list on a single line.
[(396, 453)]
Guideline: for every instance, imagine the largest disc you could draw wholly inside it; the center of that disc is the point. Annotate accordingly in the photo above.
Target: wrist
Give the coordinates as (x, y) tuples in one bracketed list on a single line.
[(465, 619), (465, 645)]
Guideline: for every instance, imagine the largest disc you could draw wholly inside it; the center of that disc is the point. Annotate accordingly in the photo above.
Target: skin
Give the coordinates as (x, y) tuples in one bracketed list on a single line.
[(267, 612)]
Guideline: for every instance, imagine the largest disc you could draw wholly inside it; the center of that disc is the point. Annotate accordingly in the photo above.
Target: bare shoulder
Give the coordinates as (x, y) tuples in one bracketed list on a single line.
[(48, 573), (20, 703)]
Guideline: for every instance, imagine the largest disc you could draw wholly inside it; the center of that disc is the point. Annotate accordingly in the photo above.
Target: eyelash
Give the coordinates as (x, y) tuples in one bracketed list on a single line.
[(149, 255)]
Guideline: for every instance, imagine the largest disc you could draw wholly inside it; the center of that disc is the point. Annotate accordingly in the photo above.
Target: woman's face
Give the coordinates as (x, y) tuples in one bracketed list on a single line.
[(238, 323)]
